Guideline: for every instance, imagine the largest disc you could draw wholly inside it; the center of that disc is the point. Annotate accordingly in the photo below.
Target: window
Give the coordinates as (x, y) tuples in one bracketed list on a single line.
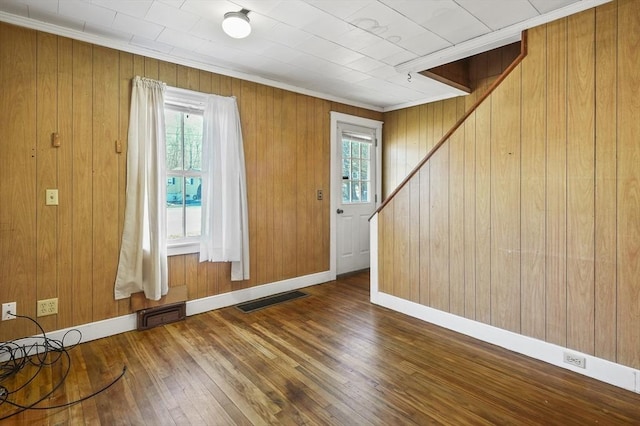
[(184, 127), (356, 164)]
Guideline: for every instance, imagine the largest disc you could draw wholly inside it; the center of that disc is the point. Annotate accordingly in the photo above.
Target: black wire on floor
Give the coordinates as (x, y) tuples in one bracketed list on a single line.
[(41, 352)]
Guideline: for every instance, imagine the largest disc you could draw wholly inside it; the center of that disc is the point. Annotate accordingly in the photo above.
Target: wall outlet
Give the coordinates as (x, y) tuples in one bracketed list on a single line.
[(6, 308), (47, 307), (575, 360)]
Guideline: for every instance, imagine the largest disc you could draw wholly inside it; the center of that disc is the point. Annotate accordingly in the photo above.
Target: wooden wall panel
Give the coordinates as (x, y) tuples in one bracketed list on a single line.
[(18, 254), (64, 228), (556, 245), (46, 172), (505, 204), (424, 233), (401, 249), (439, 230), (580, 181), (469, 217), (482, 192), (628, 201), (413, 250), (82, 195), (605, 186), (54, 84), (533, 197), (105, 107), (456, 222)]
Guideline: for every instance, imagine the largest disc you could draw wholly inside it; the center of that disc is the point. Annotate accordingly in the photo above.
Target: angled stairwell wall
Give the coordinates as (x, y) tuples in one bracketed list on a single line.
[(527, 219)]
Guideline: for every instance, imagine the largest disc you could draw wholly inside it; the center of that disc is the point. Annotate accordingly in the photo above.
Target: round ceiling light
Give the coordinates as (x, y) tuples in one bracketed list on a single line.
[(236, 24)]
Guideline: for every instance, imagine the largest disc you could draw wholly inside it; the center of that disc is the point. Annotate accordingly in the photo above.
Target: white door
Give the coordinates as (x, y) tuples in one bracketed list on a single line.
[(355, 185)]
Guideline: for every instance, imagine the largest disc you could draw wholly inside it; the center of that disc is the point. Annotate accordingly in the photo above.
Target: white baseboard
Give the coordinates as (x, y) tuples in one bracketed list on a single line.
[(233, 298), (109, 327), (597, 368)]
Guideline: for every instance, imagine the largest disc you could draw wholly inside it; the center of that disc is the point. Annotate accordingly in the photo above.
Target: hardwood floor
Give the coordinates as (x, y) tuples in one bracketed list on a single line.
[(330, 358)]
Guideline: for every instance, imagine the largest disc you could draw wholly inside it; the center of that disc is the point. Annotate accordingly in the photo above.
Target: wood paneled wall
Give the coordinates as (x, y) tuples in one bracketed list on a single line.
[(528, 217), (54, 84)]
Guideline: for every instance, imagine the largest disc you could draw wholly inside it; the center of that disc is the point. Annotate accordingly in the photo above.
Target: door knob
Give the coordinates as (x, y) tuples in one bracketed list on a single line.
[(339, 211)]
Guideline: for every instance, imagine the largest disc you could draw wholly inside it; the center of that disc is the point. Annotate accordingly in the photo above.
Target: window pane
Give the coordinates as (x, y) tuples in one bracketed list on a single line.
[(175, 210), (345, 192), (193, 208), (193, 141), (173, 123)]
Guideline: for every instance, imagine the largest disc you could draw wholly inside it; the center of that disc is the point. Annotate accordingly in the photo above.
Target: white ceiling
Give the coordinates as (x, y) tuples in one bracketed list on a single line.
[(358, 52)]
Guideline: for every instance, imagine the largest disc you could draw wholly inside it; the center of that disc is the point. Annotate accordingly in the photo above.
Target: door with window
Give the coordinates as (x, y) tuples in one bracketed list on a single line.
[(356, 186)]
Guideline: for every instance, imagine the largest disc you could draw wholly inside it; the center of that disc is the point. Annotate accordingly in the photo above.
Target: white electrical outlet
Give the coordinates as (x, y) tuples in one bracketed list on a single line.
[(6, 308), (575, 360)]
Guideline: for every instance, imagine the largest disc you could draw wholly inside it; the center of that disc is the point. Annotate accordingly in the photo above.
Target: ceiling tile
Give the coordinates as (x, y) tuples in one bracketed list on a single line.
[(296, 14), (498, 14), (107, 32), (545, 6), (146, 29), (151, 44), (328, 50), (442, 17), (42, 6), (55, 19), (287, 35), (180, 39), (381, 49), (138, 8), (340, 8), (87, 12), (171, 17)]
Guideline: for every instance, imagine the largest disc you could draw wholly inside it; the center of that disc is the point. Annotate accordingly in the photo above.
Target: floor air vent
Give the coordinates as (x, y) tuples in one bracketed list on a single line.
[(160, 315), (269, 301)]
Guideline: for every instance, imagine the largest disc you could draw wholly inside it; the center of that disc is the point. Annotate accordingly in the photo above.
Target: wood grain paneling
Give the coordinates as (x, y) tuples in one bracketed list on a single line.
[(605, 185), (70, 251), (532, 196), (547, 205), (628, 193), (505, 204), (580, 180), (18, 253)]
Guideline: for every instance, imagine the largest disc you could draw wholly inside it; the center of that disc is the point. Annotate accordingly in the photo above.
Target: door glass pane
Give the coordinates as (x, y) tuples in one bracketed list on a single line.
[(345, 192), (364, 196), (364, 170), (355, 169), (346, 149), (345, 168), (355, 191), (355, 149), (365, 151)]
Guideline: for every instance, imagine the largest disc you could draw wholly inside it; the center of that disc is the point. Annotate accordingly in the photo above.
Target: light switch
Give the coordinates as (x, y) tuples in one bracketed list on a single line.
[(52, 197)]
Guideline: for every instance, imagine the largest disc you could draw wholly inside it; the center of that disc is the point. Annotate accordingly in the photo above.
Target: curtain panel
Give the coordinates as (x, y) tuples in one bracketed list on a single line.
[(143, 255), (225, 229)]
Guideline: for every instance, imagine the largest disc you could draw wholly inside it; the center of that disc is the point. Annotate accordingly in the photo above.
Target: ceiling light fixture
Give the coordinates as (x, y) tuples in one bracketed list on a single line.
[(236, 24)]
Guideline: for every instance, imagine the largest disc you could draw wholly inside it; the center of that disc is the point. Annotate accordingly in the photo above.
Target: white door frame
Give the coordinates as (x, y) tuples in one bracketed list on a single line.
[(338, 117)]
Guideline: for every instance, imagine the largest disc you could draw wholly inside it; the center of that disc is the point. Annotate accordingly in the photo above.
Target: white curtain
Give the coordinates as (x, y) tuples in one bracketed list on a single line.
[(143, 254), (225, 229)]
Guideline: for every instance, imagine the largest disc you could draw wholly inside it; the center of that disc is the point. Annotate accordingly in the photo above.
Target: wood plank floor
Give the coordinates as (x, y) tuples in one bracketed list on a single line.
[(330, 358)]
